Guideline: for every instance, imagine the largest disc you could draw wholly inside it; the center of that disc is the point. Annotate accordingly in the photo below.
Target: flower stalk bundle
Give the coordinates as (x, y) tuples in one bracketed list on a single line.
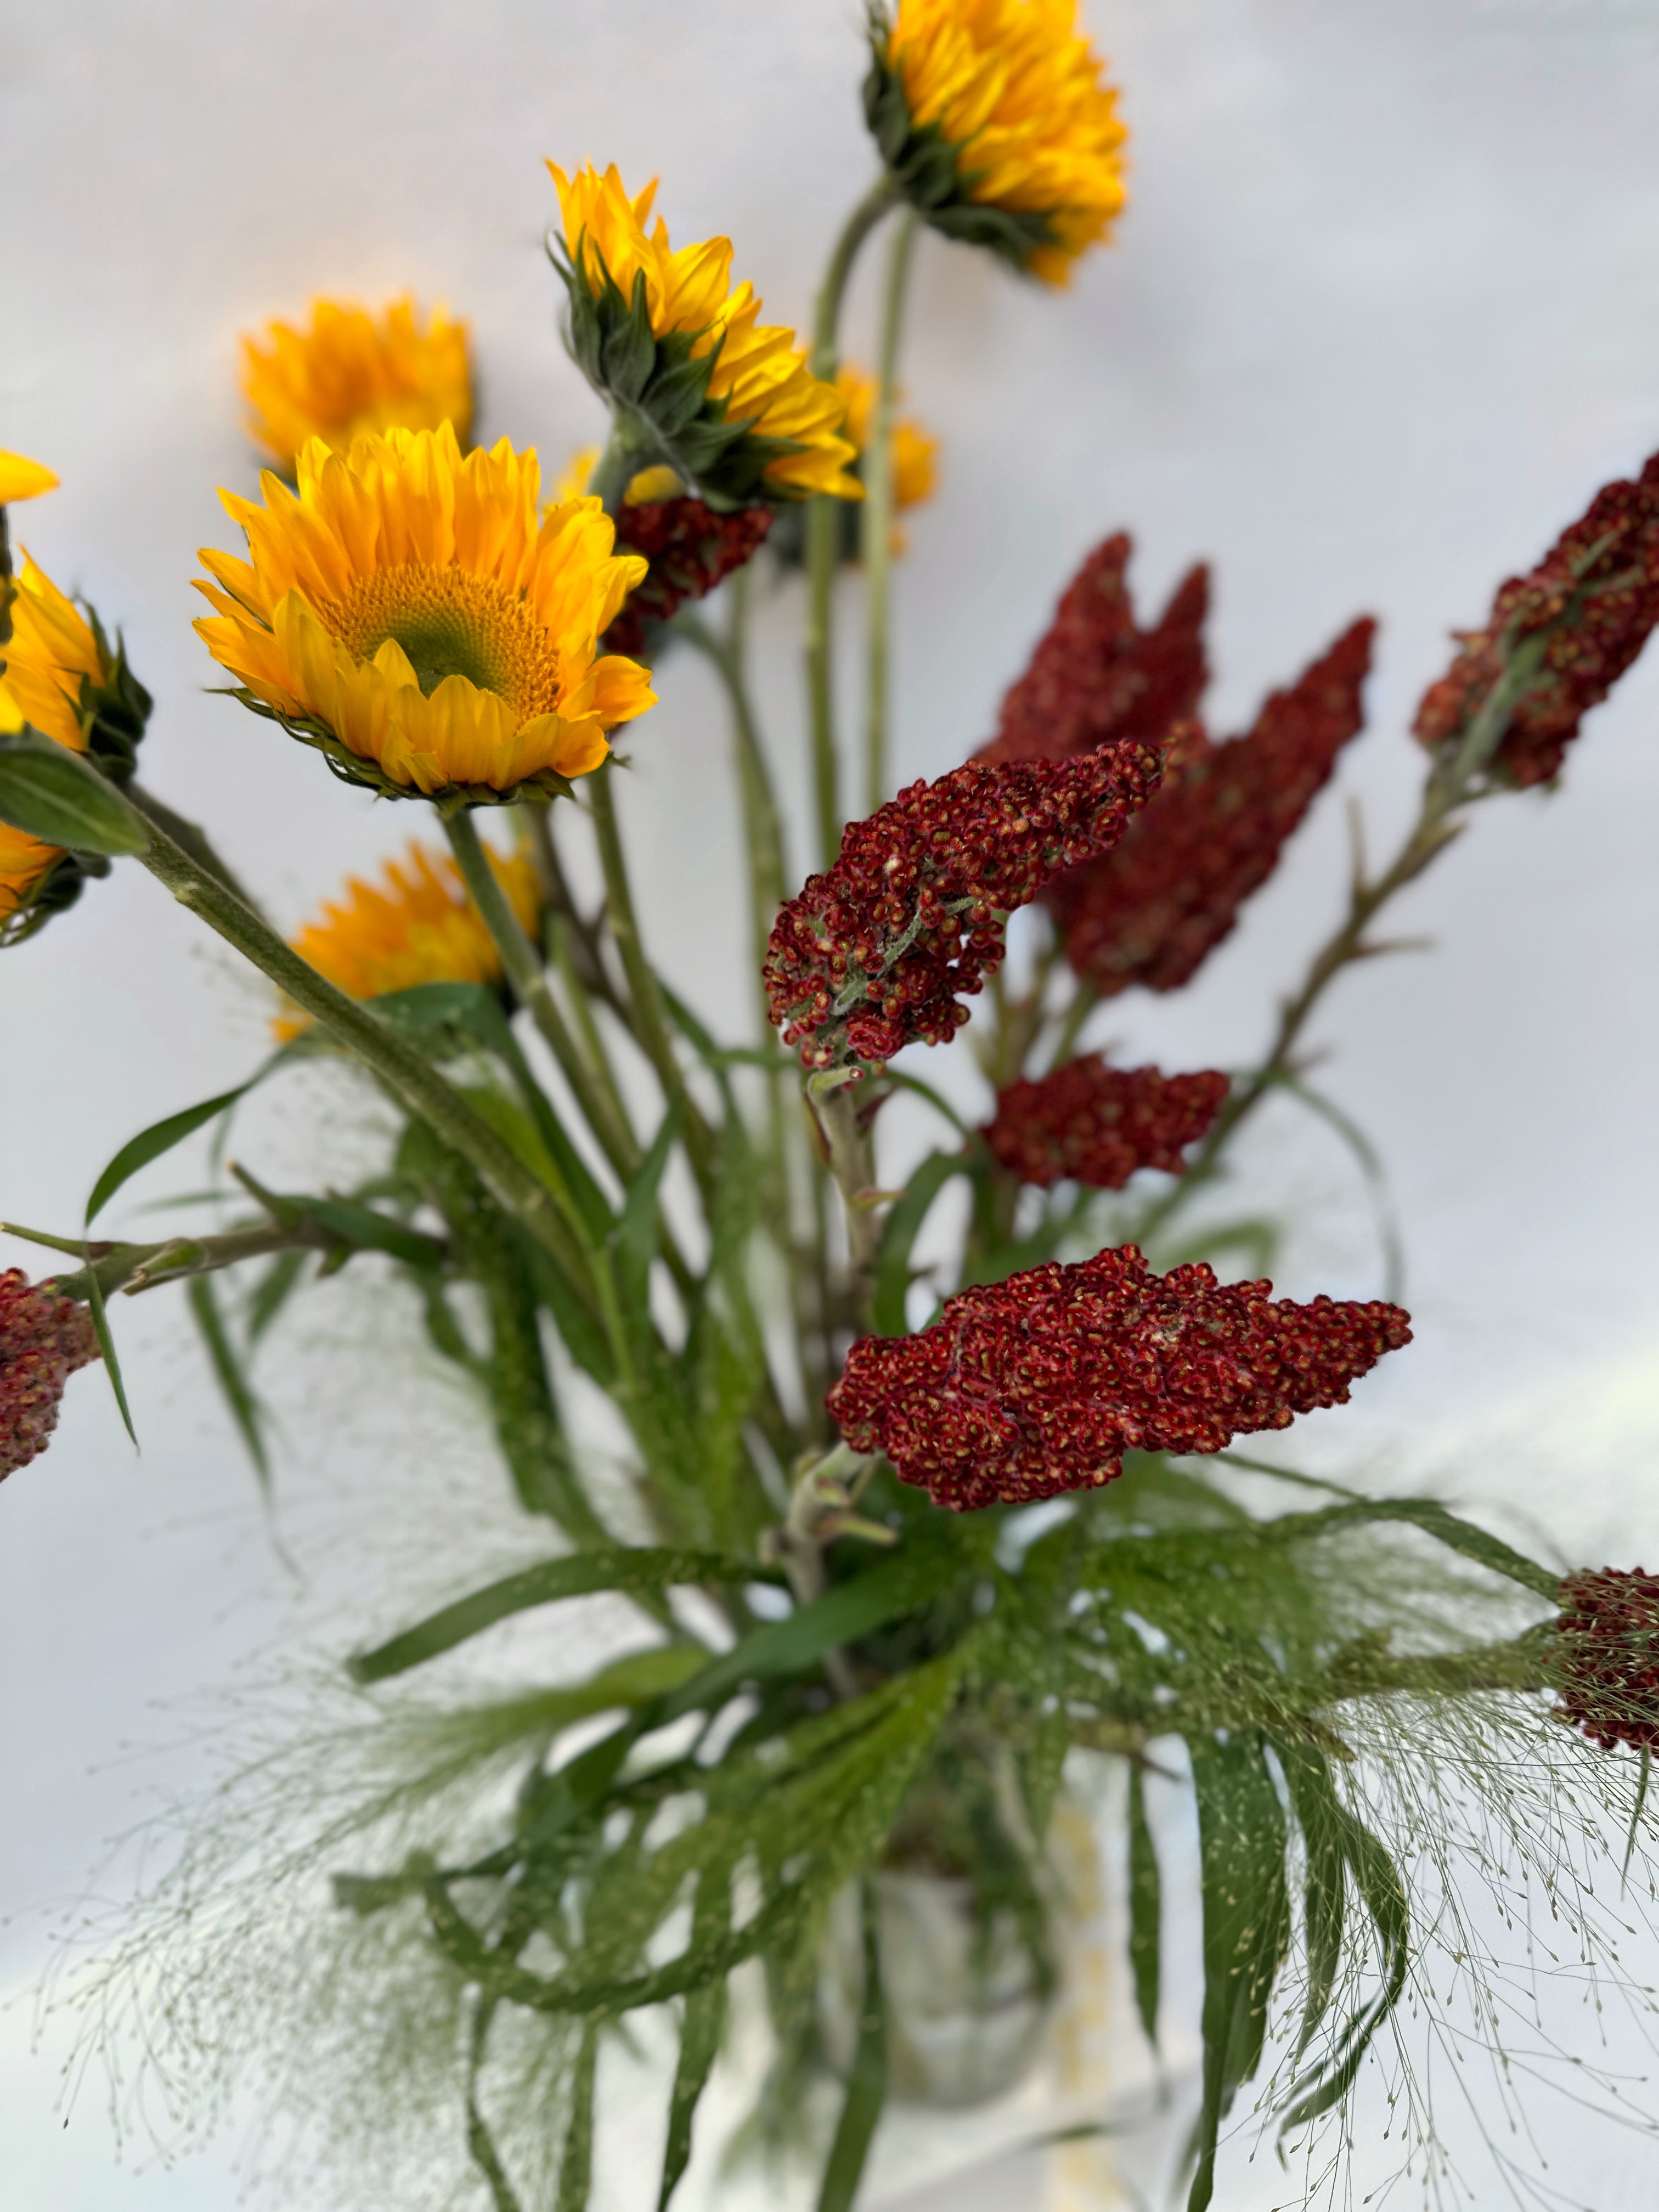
[(901, 1535)]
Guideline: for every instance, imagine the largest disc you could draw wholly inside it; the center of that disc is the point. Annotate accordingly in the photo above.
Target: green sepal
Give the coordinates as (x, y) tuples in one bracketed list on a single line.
[(55, 795), (934, 175), (657, 388), (369, 775), (54, 893), (114, 714)]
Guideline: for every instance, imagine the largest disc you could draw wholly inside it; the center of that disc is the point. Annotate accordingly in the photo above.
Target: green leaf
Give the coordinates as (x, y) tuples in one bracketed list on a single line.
[(238, 1396), (635, 1571), (899, 1235), (1326, 1825), (1246, 1926), (576, 2166), (636, 1233), (1636, 1816), (1370, 1166), (57, 796), (106, 1346), (897, 1585), (1325, 1881), (700, 2034), (1145, 1909), (161, 1137), (866, 2085), (272, 1292)]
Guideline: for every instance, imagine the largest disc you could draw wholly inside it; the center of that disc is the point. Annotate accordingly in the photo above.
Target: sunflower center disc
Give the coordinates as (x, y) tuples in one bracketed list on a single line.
[(451, 624)]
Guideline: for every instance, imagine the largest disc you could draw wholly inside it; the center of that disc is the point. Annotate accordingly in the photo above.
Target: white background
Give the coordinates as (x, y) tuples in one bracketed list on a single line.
[(1384, 314)]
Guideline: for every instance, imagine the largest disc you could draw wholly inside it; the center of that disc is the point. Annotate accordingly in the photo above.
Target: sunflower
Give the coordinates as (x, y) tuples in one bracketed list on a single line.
[(995, 121), (416, 926), (352, 371), (695, 382), (408, 612), (912, 450), (53, 658)]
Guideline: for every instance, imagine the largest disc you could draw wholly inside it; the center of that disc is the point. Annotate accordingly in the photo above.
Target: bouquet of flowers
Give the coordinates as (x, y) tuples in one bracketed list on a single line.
[(931, 1496)]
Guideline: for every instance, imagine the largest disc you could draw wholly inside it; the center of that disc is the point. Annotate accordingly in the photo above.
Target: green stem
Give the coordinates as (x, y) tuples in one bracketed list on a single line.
[(823, 527), (623, 457), (194, 841), (650, 1014), (135, 1268), (411, 1079), (531, 984), (876, 549), (850, 1144), (761, 819)]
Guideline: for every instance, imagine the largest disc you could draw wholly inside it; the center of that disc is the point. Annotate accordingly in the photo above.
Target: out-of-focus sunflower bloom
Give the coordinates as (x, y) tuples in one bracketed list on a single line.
[(915, 453), (648, 488), (349, 372), (412, 612), (416, 926), (994, 120), (52, 651), (695, 380)]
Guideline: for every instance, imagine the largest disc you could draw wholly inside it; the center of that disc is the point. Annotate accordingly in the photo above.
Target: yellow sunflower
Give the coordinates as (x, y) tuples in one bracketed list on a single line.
[(350, 372), (913, 450), (411, 613), (416, 926), (696, 381), (994, 119), (51, 650)]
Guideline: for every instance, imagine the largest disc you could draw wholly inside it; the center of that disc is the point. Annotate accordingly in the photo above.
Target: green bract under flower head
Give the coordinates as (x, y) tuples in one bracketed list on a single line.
[(693, 378), (993, 121)]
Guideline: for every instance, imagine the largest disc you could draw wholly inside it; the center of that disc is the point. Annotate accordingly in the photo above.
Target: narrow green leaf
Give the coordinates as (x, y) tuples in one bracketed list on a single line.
[(866, 2086), (149, 1144), (576, 2166), (899, 1235), (634, 1570), (1246, 1926), (238, 1396), (1325, 1882), (366, 1230), (1145, 1909), (700, 2034), (106, 1345), (57, 796), (636, 1233), (272, 1292), (896, 1585)]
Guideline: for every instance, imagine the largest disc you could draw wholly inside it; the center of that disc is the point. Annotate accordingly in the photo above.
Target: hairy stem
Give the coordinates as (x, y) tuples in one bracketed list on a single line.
[(876, 543), (194, 841), (135, 1268)]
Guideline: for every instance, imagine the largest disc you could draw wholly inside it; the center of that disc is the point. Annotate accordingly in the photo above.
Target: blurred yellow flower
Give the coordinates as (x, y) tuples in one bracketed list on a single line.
[(756, 423), (51, 648), (410, 611), (913, 452), (995, 118), (350, 372), (649, 488), (416, 926), (23, 478)]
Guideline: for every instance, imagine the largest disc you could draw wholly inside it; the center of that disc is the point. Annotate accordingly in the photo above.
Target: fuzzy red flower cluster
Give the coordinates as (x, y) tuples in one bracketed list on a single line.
[(691, 548), (872, 954), (1607, 1655), (1151, 911), (1040, 1384), (1093, 1124), (42, 1340), (1593, 599), (1096, 676)]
